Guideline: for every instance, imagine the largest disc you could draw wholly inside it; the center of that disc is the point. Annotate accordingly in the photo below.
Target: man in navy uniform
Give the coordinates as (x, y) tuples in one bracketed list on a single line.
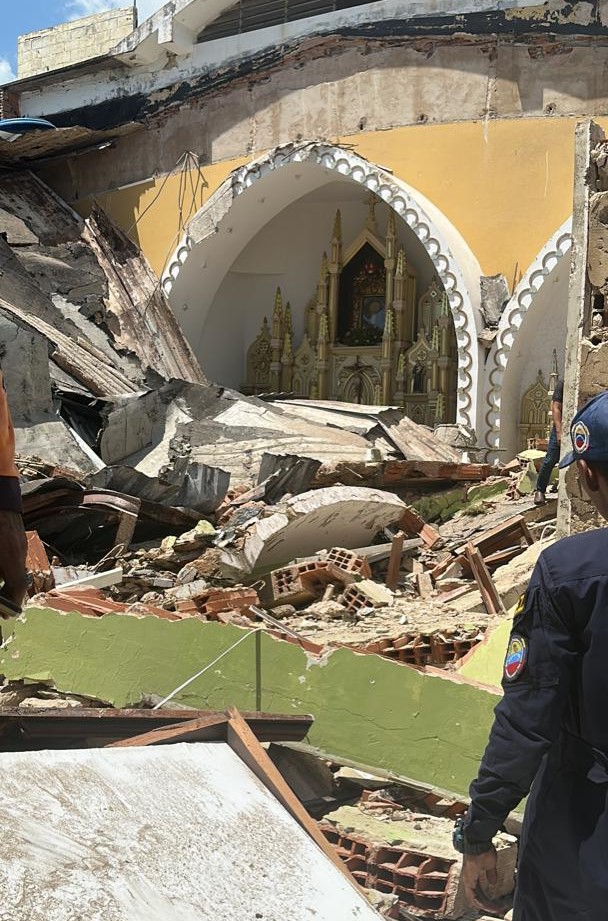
[(550, 731)]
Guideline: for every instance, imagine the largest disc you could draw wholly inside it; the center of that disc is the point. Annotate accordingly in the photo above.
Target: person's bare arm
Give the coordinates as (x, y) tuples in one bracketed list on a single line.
[(556, 412), (13, 542)]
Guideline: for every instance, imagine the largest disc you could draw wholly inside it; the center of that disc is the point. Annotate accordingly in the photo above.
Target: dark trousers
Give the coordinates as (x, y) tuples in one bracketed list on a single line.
[(551, 459)]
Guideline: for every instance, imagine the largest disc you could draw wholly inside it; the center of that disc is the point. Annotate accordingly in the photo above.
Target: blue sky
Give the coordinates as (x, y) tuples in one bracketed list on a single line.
[(29, 15)]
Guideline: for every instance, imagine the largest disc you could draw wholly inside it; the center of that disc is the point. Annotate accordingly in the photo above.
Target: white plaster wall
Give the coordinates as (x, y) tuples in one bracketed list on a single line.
[(150, 69), (287, 253), (543, 329)]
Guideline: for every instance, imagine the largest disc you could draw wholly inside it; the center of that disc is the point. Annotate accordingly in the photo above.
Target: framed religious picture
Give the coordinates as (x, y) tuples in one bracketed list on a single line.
[(373, 311)]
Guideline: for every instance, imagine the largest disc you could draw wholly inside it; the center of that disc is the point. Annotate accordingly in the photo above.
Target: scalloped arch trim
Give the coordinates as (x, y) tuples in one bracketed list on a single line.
[(521, 301), (348, 164)]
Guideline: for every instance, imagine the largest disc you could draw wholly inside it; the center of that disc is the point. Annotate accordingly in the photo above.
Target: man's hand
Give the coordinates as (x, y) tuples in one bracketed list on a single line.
[(479, 876)]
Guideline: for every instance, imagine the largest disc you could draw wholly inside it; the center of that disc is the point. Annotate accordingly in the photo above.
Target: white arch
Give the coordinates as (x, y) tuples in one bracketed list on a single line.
[(430, 226), (522, 300)]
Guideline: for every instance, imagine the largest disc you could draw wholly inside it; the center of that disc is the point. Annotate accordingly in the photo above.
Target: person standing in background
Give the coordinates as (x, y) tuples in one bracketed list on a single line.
[(553, 448)]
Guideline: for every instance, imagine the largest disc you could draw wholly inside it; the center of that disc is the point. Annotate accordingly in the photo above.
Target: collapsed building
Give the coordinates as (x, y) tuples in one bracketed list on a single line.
[(276, 350)]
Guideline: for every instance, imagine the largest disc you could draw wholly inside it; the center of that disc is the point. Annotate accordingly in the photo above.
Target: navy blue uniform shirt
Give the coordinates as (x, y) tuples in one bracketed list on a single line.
[(551, 727)]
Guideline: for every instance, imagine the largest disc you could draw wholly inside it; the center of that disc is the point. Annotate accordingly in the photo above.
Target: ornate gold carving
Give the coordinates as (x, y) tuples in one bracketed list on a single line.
[(391, 346), (259, 357), (534, 412)]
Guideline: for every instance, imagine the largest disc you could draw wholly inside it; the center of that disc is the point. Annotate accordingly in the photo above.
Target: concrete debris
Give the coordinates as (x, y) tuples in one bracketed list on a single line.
[(373, 560), (313, 568), (409, 855), (317, 520), (415, 442)]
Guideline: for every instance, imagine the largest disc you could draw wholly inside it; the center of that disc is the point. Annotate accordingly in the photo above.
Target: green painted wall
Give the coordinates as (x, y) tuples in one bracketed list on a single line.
[(430, 728), (441, 506), (485, 662)]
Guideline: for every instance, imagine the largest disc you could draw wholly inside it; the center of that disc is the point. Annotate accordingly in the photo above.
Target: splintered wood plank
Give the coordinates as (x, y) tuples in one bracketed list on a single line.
[(489, 593), (498, 537), (394, 562)]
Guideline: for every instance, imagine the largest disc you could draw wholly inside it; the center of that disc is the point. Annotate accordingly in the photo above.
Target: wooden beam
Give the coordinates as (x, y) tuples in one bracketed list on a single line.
[(489, 593), (242, 741), (205, 729), (394, 562)]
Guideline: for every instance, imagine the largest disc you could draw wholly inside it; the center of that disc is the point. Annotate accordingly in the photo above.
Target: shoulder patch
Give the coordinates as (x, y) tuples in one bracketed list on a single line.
[(516, 658), (580, 437)]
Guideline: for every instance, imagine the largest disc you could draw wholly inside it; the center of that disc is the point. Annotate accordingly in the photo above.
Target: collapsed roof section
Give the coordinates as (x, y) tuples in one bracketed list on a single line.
[(80, 308), (200, 798)]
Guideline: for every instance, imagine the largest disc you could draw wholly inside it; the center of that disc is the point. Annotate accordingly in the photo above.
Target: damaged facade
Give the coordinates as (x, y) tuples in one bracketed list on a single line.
[(283, 300), (227, 137)]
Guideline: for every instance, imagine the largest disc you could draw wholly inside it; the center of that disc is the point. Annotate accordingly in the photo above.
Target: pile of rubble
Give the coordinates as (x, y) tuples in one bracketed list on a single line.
[(330, 566), (150, 493), (417, 575)]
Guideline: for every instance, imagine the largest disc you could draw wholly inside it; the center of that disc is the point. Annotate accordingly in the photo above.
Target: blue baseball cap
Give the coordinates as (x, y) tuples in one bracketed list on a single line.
[(589, 432)]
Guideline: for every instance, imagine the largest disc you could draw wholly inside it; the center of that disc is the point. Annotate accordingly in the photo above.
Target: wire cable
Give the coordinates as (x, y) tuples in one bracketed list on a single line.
[(206, 668)]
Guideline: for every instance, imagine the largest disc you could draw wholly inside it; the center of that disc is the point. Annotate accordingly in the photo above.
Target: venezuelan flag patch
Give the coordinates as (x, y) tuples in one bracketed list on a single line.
[(516, 658)]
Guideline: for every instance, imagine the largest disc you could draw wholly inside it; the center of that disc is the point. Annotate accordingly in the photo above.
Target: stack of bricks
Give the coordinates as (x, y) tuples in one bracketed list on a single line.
[(303, 583), (426, 885), (424, 648), (354, 850), (422, 882), (419, 880)]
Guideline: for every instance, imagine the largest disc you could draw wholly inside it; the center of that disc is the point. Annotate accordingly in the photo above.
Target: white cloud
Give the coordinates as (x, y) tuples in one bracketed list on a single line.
[(77, 8), (6, 72)]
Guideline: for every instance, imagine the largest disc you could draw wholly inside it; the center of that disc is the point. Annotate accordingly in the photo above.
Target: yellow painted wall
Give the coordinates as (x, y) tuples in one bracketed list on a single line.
[(505, 185), (155, 212)]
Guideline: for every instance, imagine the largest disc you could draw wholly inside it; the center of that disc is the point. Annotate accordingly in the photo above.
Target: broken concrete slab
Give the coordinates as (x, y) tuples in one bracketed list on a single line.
[(135, 301), (102, 292), (430, 727), (286, 473), (216, 427), (413, 441), (219, 793), (39, 431), (339, 516)]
